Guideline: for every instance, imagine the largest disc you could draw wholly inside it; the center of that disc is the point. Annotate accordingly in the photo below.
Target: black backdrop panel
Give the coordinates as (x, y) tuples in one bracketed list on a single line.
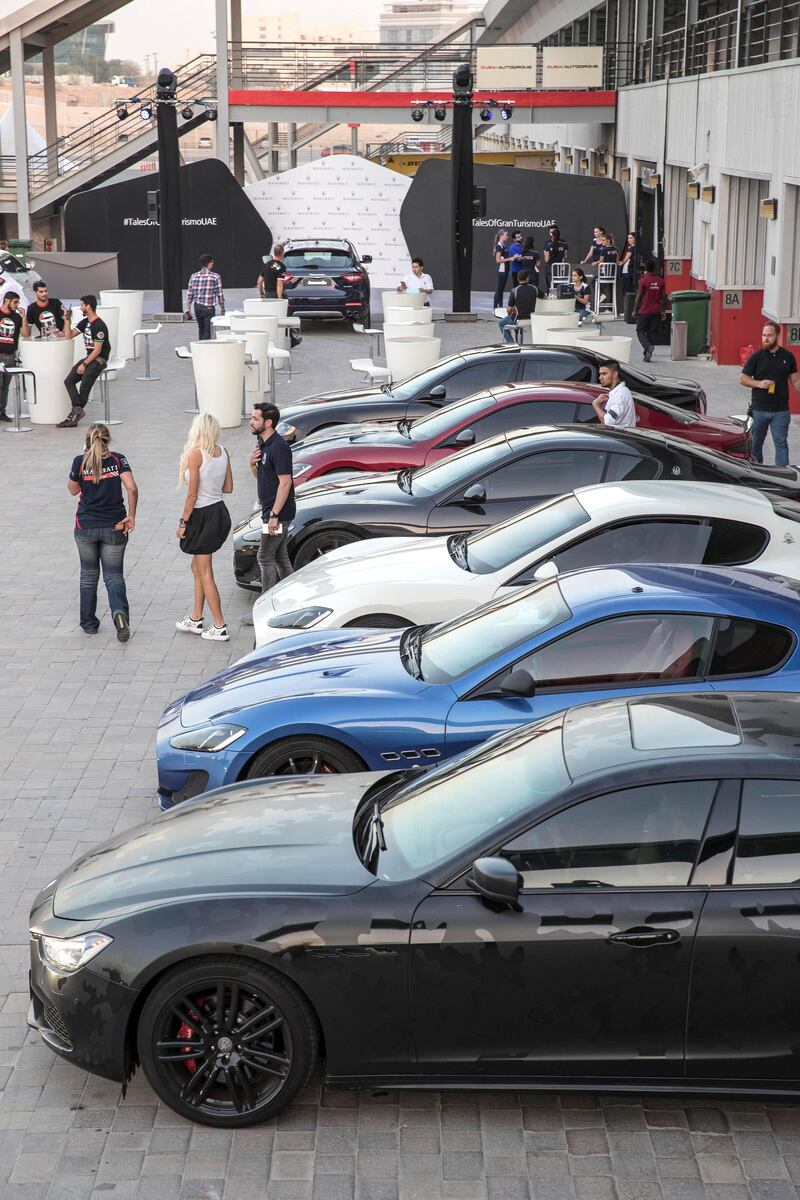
[(515, 199), (218, 219)]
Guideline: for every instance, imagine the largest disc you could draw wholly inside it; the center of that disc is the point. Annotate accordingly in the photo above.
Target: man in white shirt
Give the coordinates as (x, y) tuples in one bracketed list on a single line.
[(617, 409), (417, 280)]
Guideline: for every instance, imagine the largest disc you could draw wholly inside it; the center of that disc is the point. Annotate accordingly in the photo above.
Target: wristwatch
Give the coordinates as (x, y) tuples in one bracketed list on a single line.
[(275, 515), (181, 521)]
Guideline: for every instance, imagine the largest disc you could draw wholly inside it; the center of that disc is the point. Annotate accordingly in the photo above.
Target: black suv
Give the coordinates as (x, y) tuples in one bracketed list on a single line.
[(326, 278)]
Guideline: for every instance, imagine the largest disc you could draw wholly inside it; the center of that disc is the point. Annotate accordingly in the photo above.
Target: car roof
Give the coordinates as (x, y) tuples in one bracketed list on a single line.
[(735, 591), (557, 388), (298, 243), (640, 731), (653, 437), (660, 496)]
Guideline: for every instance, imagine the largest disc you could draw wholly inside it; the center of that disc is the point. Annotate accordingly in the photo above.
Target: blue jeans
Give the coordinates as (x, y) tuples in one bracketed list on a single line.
[(504, 323), (98, 547), (204, 313), (778, 422)]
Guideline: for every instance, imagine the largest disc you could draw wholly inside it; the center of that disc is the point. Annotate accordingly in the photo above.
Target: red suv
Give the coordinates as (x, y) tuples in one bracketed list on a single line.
[(389, 446)]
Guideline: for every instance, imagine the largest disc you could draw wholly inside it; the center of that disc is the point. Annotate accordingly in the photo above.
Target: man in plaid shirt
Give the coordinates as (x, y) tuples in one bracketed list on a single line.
[(205, 291)]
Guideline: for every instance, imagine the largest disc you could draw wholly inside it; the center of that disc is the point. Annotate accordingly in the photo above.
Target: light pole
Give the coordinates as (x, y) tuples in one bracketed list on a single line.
[(169, 188), (462, 189)]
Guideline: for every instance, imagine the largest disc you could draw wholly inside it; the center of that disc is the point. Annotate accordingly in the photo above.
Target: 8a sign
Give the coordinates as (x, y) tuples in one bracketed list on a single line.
[(732, 299)]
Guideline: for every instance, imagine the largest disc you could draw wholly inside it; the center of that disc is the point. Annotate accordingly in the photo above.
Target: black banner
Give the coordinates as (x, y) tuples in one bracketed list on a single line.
[(217, 218), (515, 199)]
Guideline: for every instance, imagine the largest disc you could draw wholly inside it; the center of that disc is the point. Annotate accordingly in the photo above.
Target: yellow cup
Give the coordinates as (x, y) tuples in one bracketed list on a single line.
[(771, 388)]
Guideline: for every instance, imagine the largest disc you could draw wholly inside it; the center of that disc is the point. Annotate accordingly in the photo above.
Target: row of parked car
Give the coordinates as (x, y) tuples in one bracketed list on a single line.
[(508, 793)]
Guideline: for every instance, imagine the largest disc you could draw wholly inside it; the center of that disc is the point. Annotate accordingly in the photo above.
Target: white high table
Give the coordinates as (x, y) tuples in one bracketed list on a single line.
[(50, 359), (129, 304), (219, 379)]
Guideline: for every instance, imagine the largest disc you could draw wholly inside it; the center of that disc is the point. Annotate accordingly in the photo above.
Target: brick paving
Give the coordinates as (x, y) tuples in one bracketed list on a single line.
[(78, 717)]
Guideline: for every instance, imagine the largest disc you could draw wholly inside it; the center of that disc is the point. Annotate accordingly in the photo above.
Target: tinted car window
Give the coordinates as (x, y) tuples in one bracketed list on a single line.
[(545, 474), (316, 258), (443, 420), (734, 542), (630, 466), (586, 415), (477, 377), (555, 366), (503, 544), (748, 647), (652, 648), (768, 847), (638, 542), (521, 416), (464, 467), (639, 837)]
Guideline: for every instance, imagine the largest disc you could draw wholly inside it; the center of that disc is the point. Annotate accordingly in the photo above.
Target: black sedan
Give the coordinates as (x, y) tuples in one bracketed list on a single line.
[(605, 899), (472, 371), (489, 482)]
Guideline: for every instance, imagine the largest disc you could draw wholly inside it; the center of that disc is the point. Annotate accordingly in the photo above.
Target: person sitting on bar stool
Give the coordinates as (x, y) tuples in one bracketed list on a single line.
[(98, 349), (10, 326), (521, 305)]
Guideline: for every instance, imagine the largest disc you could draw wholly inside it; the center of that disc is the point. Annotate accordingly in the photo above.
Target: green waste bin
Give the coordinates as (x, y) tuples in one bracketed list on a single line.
[(692, 307)]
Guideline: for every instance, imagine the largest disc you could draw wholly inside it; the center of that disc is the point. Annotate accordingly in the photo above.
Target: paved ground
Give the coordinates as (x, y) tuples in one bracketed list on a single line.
[(78, 717)]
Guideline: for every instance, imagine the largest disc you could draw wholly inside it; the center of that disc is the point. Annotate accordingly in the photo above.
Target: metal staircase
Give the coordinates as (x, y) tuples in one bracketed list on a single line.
[(105, 145)]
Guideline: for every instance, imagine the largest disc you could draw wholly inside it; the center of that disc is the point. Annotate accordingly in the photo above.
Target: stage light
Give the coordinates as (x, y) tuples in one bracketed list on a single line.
[(187, 112), (166, 84), (505, 112), (486, 114), (440, 112), (146, 112), (122, 112), (417, 114), (211, 112)]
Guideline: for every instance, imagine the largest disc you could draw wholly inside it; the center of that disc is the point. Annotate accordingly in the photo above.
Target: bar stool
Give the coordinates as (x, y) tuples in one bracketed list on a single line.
[(113, 364), (276, 355), (146, 334), (185, 353), (372, 374), (286, 324), (605, 299), (19, 374), (518, 333), (374, 336)]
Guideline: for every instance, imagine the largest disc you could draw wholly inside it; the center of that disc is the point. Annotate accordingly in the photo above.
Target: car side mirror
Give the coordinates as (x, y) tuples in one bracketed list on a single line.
[(518, 683), (437, 393), (546, 570), (366, 258), (475, 494), (464, 437), (498, 880)]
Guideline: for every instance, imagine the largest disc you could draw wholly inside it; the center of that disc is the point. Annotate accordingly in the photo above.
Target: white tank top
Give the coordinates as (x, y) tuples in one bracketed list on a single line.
[(212, 477)]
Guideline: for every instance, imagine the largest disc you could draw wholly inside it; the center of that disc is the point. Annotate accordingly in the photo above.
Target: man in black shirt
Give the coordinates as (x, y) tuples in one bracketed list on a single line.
[(10, 326), (270, 279), (96, 342), (521, 305), (768, 373), (555, 251), (271, 463), (47, 314)]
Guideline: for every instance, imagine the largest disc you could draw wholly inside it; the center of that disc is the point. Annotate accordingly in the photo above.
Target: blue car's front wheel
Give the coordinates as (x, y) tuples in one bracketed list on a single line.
[(303, 756)]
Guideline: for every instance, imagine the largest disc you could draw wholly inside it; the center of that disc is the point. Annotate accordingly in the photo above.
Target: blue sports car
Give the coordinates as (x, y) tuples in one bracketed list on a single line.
[(350, 700)]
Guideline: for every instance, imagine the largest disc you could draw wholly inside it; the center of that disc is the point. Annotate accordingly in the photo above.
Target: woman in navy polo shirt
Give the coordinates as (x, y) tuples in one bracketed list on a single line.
[(102, 526)]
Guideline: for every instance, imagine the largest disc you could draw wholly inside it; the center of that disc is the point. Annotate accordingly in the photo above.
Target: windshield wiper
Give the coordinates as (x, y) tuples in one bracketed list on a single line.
[(403, 426), (404, 479), (457, 549), (582, 883), (410, 645)]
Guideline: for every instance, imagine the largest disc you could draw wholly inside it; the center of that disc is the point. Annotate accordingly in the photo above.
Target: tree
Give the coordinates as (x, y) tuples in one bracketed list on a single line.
[(109, 68)]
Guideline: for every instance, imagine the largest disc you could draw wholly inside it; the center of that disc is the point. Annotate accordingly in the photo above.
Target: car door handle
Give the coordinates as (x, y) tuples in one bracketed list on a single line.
[(643, 936)]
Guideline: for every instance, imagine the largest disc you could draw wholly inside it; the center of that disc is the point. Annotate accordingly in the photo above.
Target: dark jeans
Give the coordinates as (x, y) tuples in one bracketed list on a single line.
[(79, 386), (778, 423), (98, 547), (500, 287), (273, 559), (204, 313), (646, 325), (8, 360)]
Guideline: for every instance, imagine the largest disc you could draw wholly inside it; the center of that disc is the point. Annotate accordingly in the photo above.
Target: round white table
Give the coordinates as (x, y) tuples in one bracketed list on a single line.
[(129, 303), (219, 379), (405, 356), (50, 359)]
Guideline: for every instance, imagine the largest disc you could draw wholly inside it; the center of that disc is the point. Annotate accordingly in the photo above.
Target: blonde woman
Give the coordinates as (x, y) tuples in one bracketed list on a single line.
[(102, 526), (205, 522)]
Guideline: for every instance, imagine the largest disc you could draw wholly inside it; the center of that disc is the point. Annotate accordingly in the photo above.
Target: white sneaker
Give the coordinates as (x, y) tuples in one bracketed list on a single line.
[(187, 625), (216, 635)]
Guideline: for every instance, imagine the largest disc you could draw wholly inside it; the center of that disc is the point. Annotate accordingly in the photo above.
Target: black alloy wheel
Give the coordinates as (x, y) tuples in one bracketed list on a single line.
[(226, 1042), (321, 543), (379, 621), (304, 756)]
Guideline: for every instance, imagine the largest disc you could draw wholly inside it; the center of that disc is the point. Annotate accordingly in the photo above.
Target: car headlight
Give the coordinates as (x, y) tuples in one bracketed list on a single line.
[(301, 618), (70, 954), (299, 469), (207, 737)]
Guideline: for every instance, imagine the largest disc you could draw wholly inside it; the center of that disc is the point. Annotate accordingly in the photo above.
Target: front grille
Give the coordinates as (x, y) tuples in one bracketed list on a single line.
[(55, 1022)]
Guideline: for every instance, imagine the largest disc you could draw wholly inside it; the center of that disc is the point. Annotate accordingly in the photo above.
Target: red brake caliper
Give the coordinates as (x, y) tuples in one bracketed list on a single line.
[(185, 1030)]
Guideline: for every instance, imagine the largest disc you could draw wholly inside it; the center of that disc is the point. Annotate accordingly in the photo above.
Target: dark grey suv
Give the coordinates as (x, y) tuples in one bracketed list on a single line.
[(326, 278)]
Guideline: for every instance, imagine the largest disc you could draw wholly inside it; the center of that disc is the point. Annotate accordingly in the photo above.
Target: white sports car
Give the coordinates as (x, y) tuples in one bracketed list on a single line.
[(423, 580)]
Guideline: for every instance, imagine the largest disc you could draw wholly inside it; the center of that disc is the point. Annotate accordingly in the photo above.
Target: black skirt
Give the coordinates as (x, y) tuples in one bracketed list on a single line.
[(207, 529)]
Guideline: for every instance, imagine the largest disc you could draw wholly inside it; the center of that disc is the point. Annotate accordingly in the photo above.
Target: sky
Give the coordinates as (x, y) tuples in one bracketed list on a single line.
[(169, 28)]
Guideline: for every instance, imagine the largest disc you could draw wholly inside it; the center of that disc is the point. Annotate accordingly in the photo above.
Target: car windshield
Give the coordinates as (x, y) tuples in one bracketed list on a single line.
[(443, 421), (435, 480), (464, 803), (420, 385), (501, 545), (316, 258), (454, 649)]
